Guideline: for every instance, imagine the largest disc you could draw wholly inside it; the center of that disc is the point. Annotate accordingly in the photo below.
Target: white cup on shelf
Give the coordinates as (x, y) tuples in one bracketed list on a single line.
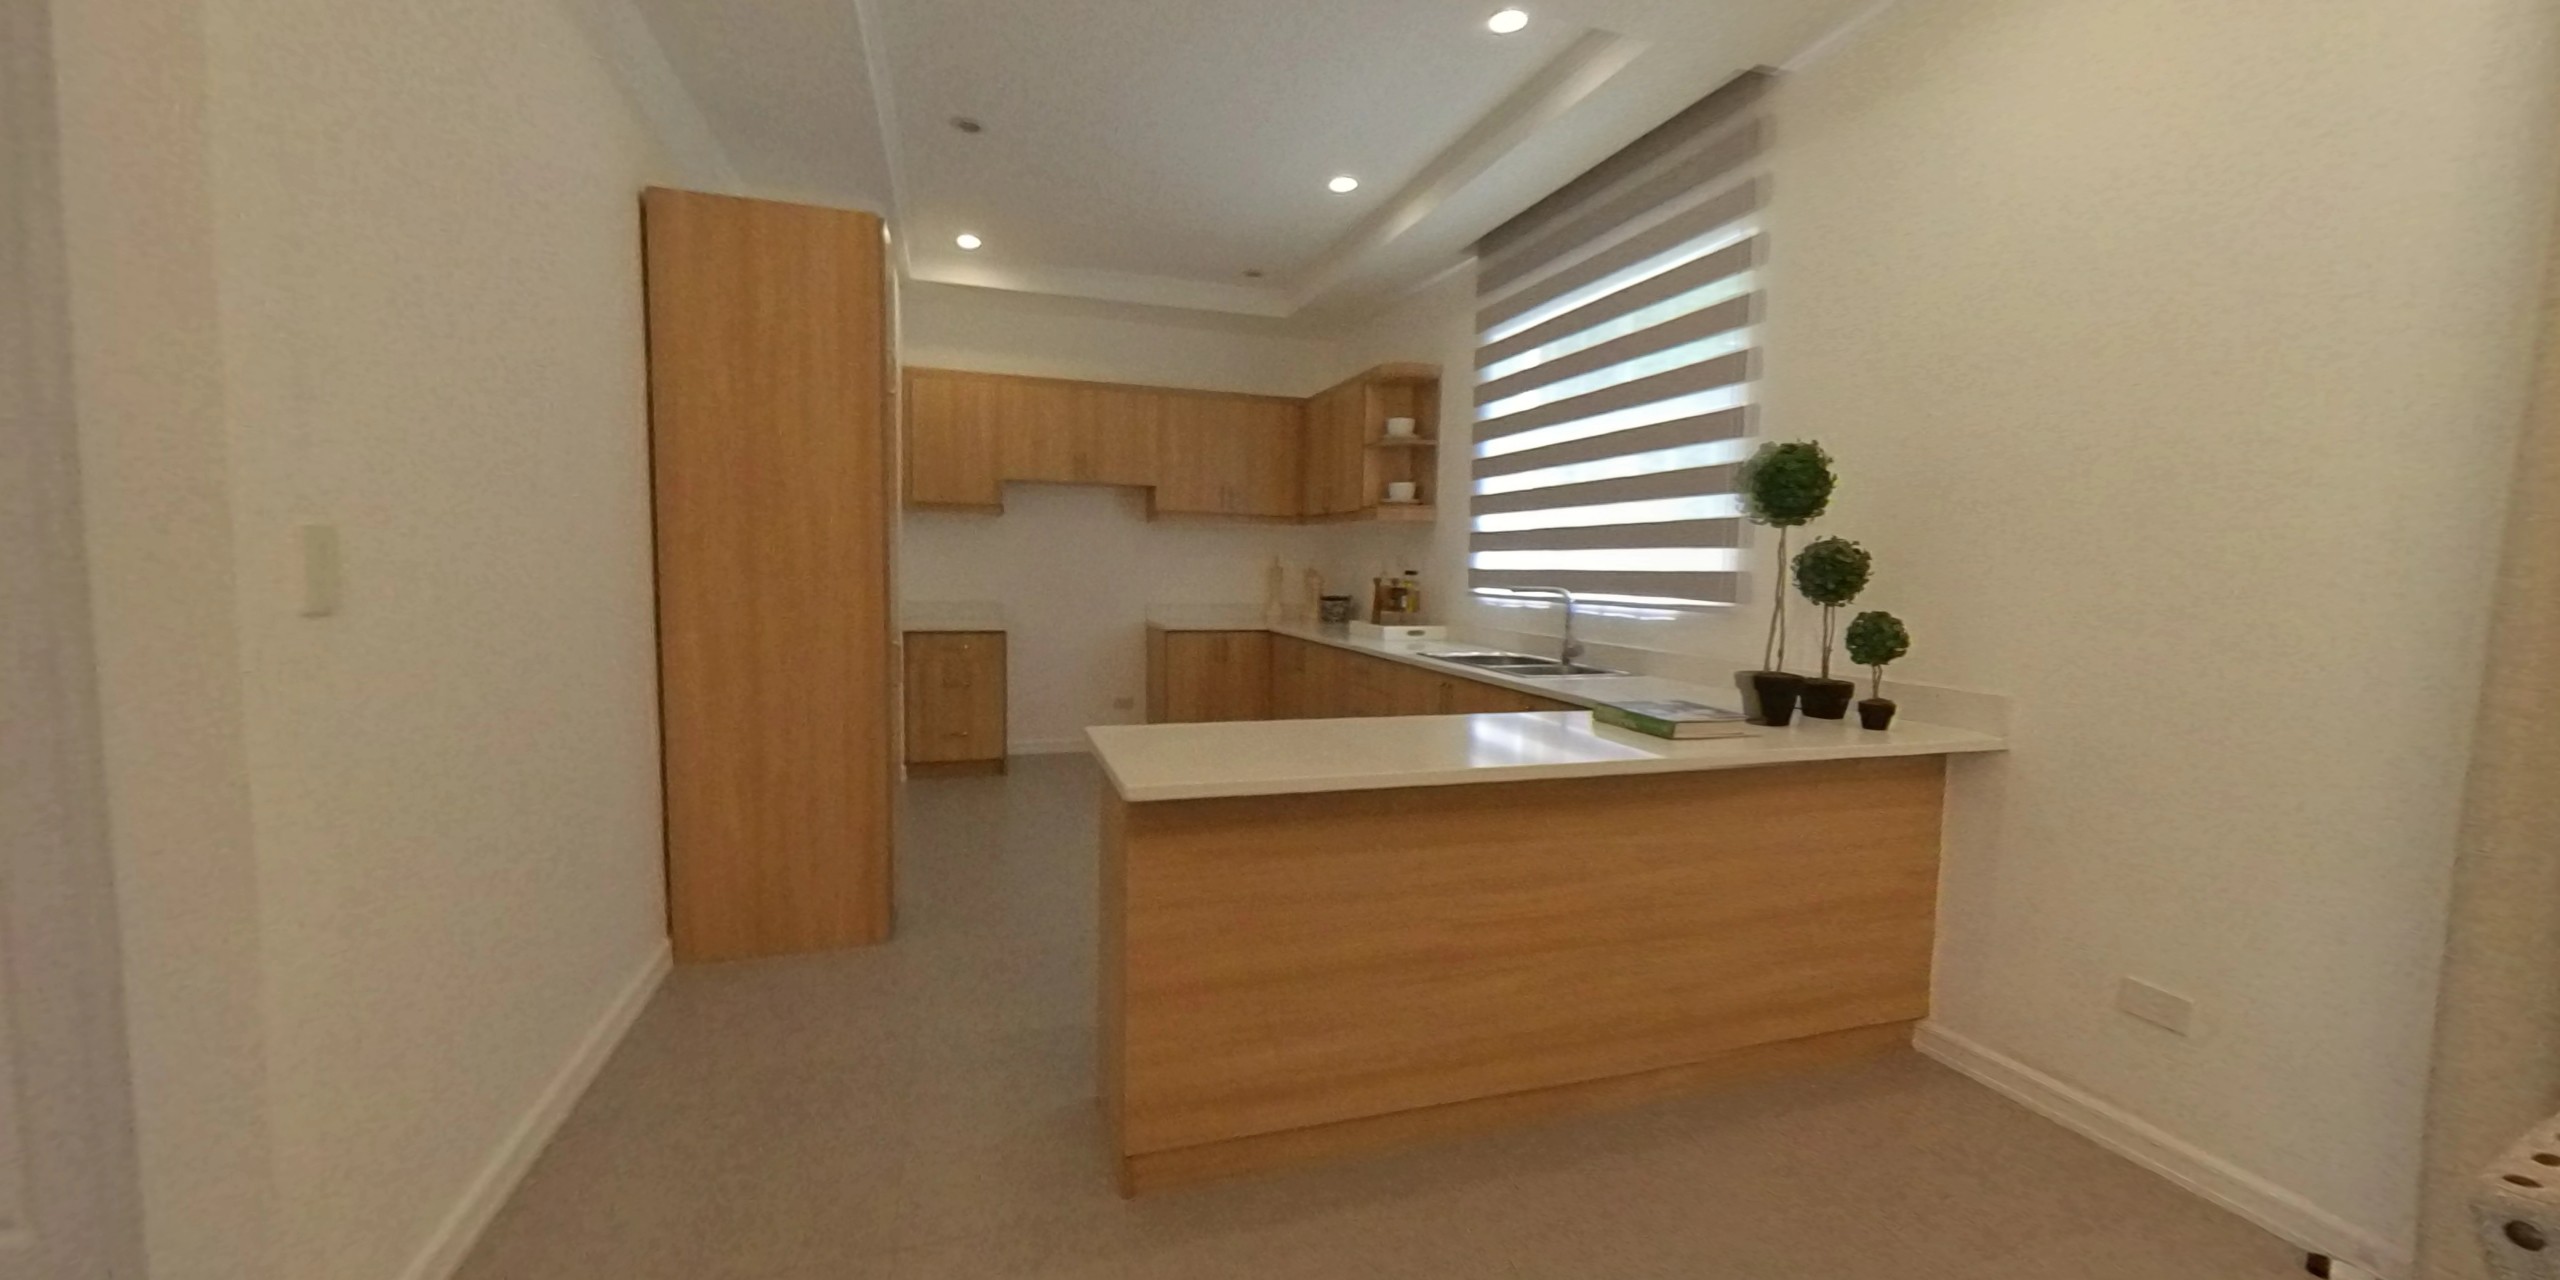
[(1401, 491), (1400, 428)]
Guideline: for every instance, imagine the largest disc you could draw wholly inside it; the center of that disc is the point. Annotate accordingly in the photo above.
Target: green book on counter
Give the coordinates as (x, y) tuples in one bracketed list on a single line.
[(1672, 718)]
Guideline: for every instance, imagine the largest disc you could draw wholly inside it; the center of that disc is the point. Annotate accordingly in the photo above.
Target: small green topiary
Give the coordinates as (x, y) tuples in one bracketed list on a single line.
[(1876, 638), (1783, 485), (1786, 483), (1831, 572)]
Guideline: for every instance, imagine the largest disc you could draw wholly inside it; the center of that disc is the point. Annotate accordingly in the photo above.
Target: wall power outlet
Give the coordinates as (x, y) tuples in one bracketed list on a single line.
[(2156, 1006)]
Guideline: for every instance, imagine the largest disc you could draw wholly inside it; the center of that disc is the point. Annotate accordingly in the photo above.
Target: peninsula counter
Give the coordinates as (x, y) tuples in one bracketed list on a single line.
[(1324, 936)]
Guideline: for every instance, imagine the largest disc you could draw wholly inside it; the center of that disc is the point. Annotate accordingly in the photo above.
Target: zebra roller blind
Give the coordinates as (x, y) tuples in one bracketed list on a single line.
[(1614, 356)]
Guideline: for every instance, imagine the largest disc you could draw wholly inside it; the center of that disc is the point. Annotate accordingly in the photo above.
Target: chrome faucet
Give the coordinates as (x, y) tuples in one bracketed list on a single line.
[(1571, 651)]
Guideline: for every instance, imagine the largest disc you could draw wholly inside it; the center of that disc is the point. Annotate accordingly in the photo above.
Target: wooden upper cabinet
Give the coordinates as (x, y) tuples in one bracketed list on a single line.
[(1229, 455), (952, 434), (1349, 460), (1332, 458), (1077, 432), (1213, 453)]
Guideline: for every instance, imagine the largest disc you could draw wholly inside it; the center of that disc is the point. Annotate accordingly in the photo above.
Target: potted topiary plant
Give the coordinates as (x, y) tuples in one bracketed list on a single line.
[(1830, 572), (1783, 485), (1876, 638)]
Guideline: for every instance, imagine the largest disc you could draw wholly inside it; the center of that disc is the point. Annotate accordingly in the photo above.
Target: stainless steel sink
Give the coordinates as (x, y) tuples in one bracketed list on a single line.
[(1520, 664)]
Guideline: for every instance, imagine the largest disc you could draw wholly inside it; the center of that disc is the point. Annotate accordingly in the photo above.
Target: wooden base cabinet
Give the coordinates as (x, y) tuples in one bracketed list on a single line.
[(955, 702), (774, 473), (1193, 676), (1209, 675), (1296, 977)]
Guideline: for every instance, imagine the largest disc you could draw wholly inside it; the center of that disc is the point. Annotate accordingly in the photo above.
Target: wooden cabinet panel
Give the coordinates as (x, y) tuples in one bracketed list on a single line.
[(1229, 455), (1077, 432), (1331, 460), (1269, 432), (1200, 452), (1285, 970), (1292, 688), (1473, 697), (1200, 675), (1195, 676), (955, 697), (772, 464), (952, 455)]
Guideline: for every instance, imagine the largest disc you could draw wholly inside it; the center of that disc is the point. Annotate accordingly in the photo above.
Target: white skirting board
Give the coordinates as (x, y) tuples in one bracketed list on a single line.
[(2282, 1212), (453, 1237), (1076, 745)]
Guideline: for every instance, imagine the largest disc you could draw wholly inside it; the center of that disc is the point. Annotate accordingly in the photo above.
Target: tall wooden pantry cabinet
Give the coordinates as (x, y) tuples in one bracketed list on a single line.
[(775, 472)]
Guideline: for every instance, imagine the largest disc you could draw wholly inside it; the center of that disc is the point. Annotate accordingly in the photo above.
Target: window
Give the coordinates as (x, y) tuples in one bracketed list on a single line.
[(1614, 357)]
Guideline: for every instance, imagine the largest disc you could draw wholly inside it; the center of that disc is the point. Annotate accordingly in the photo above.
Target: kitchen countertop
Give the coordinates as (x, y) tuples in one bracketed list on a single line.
[(1586, 691), (1295, 757), (1283, 757)]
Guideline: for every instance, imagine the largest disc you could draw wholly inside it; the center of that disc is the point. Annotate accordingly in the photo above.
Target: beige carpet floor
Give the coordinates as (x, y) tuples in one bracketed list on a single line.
[(925, 1110)]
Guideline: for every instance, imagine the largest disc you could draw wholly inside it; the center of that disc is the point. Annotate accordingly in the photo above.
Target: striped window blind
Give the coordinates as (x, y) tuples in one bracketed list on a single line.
[(1614, 356)]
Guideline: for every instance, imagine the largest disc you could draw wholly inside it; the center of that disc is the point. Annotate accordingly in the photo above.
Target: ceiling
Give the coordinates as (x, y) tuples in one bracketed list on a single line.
[(1138, 151)]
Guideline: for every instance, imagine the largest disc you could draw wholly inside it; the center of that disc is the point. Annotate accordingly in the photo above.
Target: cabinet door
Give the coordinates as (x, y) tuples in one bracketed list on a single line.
[(1214, 675), (955, 696), (770, 451), (1322, 698), (1345, 454), (1228, 455), (1191, 469), (1312, 451), (1475, 696), (1244, 684), (1289, 688), (1077, 433), (1369, 686), (952, 439), (1417, 692), (1267, 456), (1115, 433)]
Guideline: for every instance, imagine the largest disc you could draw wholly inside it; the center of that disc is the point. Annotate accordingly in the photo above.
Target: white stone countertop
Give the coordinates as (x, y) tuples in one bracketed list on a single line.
[(1585, 691), (1298, 757)]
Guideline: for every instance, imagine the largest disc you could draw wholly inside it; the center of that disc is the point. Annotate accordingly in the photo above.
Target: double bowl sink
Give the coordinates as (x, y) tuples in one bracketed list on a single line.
[(1519, 664)]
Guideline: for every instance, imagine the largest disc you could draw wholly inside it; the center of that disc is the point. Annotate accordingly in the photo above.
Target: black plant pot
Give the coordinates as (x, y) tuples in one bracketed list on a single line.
[(1826, 699), (1769, 697), (1875, 713)]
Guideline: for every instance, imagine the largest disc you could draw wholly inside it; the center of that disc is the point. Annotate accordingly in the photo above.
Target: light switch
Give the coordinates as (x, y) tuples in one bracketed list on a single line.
[(320, 576), (2164, 1009)]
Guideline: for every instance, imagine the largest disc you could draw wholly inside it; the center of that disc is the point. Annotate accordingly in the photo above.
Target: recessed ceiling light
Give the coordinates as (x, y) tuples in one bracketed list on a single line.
[(968, 240), (1343, 184), (1507, 21)]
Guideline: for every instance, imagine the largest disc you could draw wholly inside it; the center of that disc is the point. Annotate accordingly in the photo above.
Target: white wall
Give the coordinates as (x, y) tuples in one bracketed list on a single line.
[(2171, 352), (1076, 567), (378, 268), (156, 502), (431, 285)]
